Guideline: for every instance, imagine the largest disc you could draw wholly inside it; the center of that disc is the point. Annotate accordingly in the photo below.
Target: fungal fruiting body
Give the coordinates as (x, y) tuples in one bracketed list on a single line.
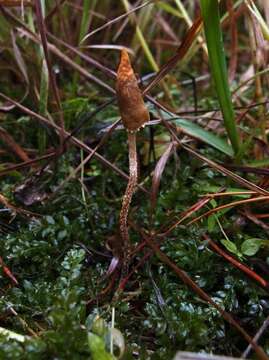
[(133, 111), (134, 115)]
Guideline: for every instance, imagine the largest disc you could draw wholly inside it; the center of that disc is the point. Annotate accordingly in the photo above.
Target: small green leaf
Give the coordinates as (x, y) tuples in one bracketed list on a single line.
[(97, 348), (213, 203), (208, 137), (62, 234), (230, 246), (211, 223), (50, 220), (199, 133), (251, 246)]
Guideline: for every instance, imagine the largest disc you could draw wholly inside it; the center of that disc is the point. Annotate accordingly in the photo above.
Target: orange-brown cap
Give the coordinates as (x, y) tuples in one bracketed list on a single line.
[(132, 108)]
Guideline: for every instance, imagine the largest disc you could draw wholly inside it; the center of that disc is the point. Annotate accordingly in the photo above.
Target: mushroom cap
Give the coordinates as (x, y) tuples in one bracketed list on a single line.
[(132, 108)]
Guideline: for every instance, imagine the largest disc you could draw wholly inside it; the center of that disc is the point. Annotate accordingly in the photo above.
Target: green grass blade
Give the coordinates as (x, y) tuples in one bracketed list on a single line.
[(207, 137), (255, 12), (211, 19), (141, 38), (88, 5), (197, 132), (169, 9), (44, 88), (43, 103)]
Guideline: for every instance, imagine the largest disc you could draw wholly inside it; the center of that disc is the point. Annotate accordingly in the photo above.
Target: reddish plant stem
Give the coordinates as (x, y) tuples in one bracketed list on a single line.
[(250, 273), (7, 272)]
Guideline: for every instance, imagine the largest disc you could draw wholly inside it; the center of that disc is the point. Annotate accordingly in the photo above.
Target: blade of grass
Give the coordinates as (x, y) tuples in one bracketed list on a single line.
[(169, 9), (44, 82), (88, 5), (189, 22), (180, 53), (195, 131), (207, 137), (19, 59), (39, 8), (115, 20), (68, 60), (43, 103), (141, 38), (214, 165), (211, 19), (255, 12)]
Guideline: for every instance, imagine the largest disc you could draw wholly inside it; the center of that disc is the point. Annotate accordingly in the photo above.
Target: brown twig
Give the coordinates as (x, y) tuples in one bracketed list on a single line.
[(230, 205), (13, 145), (256, 337)]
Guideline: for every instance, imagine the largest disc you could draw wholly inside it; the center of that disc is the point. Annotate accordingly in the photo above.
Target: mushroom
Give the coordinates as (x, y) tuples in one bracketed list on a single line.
[(134, 115)]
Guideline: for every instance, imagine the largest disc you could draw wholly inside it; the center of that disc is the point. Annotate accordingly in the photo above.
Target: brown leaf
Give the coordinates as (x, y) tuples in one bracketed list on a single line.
[(19, 58), (180, 53), (158, 171)]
